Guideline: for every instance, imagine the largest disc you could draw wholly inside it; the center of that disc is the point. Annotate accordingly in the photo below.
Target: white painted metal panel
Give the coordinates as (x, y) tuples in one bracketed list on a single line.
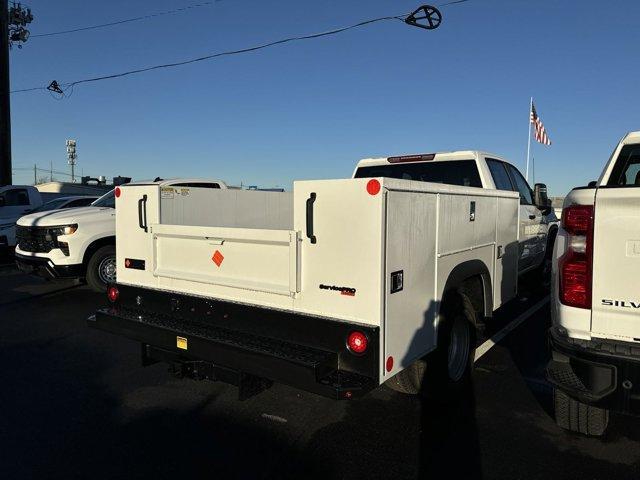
[(131, 240), (348, 225), (246, 259), (409, 327), (616, 263)]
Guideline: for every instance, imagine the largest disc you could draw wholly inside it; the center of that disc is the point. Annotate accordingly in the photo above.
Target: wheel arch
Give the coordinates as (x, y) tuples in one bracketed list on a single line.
[(95, 245), (472, 278)]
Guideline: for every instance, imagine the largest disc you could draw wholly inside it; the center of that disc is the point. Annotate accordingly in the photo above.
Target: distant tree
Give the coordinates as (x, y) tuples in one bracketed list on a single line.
[(45, 179)]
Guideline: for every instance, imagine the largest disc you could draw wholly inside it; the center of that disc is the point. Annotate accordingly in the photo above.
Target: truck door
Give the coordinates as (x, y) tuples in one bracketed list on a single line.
[(616, 251), (533, 231)]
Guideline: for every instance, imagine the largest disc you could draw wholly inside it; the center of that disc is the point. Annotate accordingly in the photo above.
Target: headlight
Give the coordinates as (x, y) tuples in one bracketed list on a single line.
[(64, 230)]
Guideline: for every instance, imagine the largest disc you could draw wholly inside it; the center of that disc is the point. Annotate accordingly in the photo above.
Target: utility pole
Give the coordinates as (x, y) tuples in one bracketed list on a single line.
[(13, 23), (35, 174), (5, 114)]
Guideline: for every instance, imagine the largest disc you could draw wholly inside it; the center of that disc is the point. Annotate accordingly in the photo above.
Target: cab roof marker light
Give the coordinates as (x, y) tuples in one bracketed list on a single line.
[(424, 157)]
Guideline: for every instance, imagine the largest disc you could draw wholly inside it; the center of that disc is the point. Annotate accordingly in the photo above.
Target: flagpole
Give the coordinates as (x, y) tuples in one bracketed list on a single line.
[(533, 170), (529, 141)]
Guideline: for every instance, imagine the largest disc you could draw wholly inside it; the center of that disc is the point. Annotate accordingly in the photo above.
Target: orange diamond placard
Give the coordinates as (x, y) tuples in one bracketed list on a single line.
[(217, 258)]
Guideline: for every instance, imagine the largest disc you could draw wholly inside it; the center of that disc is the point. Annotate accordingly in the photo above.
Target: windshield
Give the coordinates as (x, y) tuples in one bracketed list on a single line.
[(107, 200), (50, 205)]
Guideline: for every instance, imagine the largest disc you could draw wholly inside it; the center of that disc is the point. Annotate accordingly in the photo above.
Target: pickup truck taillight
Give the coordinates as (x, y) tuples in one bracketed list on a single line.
[(575, 266)]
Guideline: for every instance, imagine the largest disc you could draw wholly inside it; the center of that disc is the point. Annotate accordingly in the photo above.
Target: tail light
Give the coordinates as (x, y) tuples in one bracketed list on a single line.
[(575, 266), (357, 342), (113, 293)]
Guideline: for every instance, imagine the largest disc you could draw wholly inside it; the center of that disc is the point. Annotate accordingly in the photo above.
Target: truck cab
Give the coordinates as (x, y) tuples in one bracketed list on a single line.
[(595, 310), (80, 242), (15, 201)]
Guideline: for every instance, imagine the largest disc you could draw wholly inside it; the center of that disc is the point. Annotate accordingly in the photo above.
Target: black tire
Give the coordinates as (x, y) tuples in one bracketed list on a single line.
[(434, 370), (97, 276), (579, 417), (410, 379)]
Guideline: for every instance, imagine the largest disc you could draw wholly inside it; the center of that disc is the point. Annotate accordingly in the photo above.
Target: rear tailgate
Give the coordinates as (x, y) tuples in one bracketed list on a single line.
[(616, 264)]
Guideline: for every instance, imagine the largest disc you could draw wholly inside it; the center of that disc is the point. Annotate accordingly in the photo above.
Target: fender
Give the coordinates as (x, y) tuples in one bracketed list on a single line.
[(466, 270)]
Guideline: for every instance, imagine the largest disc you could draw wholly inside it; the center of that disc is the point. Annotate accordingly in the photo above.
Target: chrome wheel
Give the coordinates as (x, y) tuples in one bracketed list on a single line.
[(107, 270), (458, 357)]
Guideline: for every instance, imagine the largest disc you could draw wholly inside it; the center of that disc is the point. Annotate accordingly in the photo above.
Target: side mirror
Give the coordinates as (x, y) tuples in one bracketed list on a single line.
[(540, 198), (592, 183)]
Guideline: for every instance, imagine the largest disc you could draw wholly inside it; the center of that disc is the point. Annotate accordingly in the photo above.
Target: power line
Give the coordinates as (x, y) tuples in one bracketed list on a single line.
[(127, 20), (61, 88)]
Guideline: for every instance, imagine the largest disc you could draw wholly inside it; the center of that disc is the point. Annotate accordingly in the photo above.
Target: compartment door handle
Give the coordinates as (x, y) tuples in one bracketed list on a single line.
[(310, 201), (142, 213)]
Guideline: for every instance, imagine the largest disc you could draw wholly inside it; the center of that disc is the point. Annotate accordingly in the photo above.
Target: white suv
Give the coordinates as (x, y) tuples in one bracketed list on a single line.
[(80, 242)]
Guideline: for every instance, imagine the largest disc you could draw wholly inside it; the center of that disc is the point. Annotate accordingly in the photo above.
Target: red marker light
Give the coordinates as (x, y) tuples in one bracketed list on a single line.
[(389, 364), (373, 186), (117, 192), (357, 342), (113, 294)]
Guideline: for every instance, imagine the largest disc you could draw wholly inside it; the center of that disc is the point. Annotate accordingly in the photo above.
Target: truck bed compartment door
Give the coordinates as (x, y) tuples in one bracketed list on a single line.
[(137, 207), (616, 264), (410, 330), (242, 258)]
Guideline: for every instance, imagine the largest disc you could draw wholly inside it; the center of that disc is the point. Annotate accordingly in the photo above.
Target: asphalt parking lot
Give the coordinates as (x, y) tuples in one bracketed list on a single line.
[(77, 404)]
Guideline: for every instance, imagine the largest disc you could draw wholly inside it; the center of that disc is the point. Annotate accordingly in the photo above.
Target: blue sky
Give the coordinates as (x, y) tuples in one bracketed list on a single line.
[(312, 109)]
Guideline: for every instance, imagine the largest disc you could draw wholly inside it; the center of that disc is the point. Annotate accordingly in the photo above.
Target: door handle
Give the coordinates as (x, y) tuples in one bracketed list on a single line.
[(142, 213), (532, 217), (310, 201)]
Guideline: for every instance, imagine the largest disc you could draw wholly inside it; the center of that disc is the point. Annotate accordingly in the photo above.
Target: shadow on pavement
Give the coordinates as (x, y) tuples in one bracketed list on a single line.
[(59, 420)]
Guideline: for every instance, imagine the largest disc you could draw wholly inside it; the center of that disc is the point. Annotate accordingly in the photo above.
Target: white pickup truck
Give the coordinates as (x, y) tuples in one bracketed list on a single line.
[(80, 242), (15, 201), (595, 338), (335, 288)]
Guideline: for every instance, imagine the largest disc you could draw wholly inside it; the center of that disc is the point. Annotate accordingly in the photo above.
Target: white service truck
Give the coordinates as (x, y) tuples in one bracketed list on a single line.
[(595, 337), (334, 288), (81, 242)]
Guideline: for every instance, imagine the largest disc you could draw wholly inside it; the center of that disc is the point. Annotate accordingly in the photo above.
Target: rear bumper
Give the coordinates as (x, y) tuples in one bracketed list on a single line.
[(217, 337), (44, 266), (600, 373)]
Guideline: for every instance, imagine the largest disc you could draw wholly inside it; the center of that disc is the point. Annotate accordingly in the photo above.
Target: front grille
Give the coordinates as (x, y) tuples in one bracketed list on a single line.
[(35, 239)]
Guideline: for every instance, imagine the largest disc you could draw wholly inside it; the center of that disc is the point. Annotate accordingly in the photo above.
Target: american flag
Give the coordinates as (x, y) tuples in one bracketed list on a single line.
[(540, 131)]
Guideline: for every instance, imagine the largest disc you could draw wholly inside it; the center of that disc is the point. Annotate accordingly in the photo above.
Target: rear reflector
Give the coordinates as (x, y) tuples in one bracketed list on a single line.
[(412, 158), (117, 192), (113, 294), (134, 263)]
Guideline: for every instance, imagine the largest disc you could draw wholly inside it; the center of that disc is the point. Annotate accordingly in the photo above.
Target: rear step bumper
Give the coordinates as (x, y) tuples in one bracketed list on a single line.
[(307, 355), (600, 373)]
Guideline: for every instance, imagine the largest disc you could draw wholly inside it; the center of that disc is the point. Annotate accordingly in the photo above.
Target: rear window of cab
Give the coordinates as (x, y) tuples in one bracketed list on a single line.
[(452, 172)]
